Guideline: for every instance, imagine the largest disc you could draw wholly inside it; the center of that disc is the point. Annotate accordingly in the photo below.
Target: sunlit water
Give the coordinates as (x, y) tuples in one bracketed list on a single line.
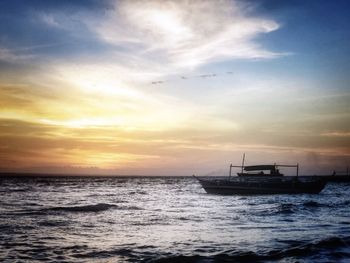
[(167, 220)]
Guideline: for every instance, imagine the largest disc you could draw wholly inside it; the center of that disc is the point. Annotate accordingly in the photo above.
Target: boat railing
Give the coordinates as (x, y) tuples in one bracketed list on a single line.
[(263, 167)]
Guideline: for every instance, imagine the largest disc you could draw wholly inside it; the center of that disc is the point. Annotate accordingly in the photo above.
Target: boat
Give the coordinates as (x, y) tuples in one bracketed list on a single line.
[(263, 179)]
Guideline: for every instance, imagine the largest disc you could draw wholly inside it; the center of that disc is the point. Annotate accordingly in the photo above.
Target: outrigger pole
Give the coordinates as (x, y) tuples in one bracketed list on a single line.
[(239, 166), (243, 162)]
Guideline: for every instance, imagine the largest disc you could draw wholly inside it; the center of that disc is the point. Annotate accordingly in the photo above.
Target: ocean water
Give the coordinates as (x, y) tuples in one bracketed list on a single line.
[(166, 219)]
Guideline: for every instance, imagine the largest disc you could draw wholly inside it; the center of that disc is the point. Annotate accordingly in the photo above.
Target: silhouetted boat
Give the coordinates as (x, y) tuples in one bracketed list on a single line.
[(253, 180)]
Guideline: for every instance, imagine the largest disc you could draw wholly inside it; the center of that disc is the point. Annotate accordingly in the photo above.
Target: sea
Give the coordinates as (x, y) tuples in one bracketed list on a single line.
[(166, 219)]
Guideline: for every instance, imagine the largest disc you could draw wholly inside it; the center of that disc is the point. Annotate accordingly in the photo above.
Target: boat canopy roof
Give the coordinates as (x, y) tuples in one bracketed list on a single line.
[(260, 167)]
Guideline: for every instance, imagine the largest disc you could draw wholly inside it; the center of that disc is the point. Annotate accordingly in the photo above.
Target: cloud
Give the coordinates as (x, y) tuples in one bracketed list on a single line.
[(336, 134), (185, 34), (38, 31), (10, 56), (160, 37), (62, 148), (49, 20)]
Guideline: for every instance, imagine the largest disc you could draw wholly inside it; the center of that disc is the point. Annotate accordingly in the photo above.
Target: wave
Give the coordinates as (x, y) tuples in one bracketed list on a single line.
[(328, 246), (92, 208), (16, 190), (83, 209), (286, 208), (130, 208), (130, 252), (53, 223), (138, 192), (347, 202), (289, 208), (312, 204), (100, 207), (283, 208)]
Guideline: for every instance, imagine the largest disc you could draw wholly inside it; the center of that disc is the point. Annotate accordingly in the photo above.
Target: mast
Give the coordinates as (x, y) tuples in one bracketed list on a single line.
[(229, 177), (243, 162), (297, 169)]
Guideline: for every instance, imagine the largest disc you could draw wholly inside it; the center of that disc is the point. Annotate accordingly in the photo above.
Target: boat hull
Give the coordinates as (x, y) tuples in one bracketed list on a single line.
[(227, 187)]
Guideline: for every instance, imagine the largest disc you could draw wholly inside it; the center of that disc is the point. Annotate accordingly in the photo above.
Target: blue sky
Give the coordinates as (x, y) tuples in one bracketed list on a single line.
[(161, 87)]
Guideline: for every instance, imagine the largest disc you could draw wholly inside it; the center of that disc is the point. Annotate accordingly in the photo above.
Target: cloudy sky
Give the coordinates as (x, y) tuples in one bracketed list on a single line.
[(173, 87)]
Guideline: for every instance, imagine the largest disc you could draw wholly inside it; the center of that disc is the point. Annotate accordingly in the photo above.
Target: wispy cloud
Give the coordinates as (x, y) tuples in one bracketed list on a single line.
[(336, 134), (13, 56), (186, 34)]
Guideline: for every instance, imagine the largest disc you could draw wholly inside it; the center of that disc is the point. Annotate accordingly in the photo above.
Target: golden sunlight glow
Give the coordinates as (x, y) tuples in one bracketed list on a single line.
[(107, 160), (148, 87)]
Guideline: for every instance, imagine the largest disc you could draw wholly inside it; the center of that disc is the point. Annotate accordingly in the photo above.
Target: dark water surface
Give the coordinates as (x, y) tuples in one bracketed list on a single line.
[(167, 220)]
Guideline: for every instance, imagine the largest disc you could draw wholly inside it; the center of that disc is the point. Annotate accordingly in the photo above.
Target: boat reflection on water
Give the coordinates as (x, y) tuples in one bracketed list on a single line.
[(255, 180)]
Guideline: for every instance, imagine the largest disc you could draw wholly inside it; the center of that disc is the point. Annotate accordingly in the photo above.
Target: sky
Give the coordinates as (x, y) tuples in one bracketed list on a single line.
[(173, 87)]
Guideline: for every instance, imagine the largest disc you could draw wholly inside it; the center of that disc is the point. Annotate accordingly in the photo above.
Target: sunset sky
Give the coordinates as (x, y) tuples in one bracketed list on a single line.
[(173, 87)]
